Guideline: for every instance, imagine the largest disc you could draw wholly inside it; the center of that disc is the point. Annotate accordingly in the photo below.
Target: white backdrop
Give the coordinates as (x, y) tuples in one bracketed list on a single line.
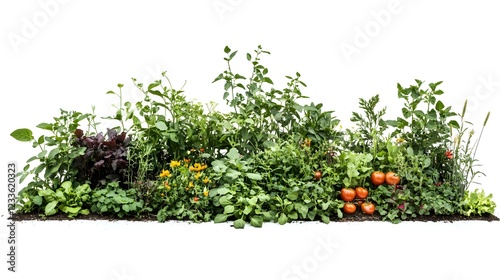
[(68, 54)]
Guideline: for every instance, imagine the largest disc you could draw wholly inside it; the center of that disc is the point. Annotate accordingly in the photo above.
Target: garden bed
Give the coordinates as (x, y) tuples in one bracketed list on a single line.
[(356, 217), (269, 159)]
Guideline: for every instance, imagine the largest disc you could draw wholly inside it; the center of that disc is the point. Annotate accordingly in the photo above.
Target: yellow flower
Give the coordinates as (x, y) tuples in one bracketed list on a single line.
[(165, 173), (191, 185), (198, 167), (174, 163), (400, 140), (197, 176), (205, 191), (206, 180), (167, 186)]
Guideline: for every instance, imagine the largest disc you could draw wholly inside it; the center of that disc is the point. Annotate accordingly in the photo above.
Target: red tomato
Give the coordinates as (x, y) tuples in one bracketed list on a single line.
[(392, 179), (368, 208), (378, 178), (361, 193), (347, 194), (349, 208)]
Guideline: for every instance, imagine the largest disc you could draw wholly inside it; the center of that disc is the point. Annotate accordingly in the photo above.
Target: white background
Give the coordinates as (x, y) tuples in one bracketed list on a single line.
[(68, 54)]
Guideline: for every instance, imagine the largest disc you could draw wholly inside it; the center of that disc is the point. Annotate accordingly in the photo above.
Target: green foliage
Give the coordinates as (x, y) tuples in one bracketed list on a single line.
[(68, 199), (113, 200), (181, 192), (262, 114), (477, 203), (53, 164), (269, 159)]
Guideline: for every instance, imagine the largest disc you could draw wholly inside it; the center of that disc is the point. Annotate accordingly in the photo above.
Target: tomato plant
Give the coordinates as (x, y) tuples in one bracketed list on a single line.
[(347, 194), (349, 208), (368, 208), (392, 179), (378, 178), (361, 193)]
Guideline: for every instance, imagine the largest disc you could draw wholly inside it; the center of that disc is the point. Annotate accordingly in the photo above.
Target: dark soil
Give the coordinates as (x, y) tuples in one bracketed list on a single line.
[(356, 217)]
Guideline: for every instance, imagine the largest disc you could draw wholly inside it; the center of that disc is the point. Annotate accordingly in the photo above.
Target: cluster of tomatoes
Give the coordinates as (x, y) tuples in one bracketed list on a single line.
[(358, 196)]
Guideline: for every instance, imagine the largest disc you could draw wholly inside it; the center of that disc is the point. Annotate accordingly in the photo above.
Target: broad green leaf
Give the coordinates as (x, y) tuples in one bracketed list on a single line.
[(256, 221), (70, 210), (37, 200), (222, 191), (325, 219), (46, 193), (239, 224), (126, 208), (254, 176), (248, 209), (161, 126), (22, 134), (228, 209), (50, 208), (220, 218), (46, 126), (233, 154), (282, 219), (53, 153)]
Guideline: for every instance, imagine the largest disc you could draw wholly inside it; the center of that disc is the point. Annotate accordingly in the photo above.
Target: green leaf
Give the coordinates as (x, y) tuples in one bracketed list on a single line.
[(53, 153), (161, 126), (228, 209), (248, 209), (37, 200), (325, 219), (70, 210), (256, 221), (239, 224), (439, 106), (254, 176), (220, 218), (282, 219), (227, 49), (46, 126), (50, 208), (126, 208), (22, 134), (233, 154)]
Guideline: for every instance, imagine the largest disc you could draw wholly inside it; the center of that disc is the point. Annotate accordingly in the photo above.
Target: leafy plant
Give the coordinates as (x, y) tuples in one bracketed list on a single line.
[(68, 199), (54, 163), (181, 191), (114, 200), (104, 160), (238, 195), (477, 203), (354, 168)]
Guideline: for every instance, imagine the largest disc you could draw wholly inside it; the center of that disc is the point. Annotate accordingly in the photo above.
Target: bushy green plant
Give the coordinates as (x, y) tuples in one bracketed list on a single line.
[(296, 194), (71, 198), (114, 200), (477, 203), (181, 191)]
